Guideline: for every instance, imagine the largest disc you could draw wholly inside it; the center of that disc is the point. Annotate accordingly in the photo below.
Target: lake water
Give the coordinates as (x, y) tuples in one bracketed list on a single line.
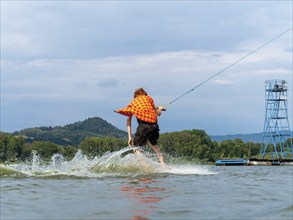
[(116, 186)]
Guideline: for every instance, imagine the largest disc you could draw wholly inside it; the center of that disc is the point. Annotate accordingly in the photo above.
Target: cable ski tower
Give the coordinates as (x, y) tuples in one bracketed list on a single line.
[(276, 126)]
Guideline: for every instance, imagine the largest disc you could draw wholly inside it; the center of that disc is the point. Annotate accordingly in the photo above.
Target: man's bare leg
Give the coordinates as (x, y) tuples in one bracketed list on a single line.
[(158, 153)]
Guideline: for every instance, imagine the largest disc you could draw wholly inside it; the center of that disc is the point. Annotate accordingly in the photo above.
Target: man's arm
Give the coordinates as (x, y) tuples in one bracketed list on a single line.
[(128, 124)]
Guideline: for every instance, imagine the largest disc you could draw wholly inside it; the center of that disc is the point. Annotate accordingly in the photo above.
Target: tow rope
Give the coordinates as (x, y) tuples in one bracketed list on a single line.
[(165, 106)]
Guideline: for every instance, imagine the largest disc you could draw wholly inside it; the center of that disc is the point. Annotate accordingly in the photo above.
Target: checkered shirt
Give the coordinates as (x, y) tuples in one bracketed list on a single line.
[(142, 107)]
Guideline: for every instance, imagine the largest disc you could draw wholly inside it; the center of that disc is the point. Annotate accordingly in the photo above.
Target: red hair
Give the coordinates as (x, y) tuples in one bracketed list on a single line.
[(139, 92)]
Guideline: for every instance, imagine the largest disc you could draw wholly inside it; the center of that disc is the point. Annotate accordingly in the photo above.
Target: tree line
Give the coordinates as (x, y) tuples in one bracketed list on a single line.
[(189, 144), (16, 148), (196, 144)]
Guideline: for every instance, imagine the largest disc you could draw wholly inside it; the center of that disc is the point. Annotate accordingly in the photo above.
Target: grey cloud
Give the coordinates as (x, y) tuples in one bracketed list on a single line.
[(108, 82), (104, 29), (87, 57)]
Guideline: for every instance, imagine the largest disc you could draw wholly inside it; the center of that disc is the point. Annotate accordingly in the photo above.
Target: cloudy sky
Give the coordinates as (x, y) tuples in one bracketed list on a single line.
[(66, 61)]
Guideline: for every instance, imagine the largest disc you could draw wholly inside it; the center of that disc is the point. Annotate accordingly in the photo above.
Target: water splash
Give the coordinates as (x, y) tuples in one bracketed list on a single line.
[(57, 162), (119, 163), (35, 161)]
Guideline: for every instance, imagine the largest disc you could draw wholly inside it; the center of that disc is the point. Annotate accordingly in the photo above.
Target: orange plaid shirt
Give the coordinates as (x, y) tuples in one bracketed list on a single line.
[(142, 107)]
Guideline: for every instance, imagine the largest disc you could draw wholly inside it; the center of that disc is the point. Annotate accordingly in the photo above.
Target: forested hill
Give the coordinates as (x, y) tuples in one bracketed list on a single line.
[(254, 137), (73, 134)]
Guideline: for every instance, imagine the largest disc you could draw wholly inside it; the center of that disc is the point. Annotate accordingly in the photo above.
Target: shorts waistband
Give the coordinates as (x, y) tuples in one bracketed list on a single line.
[(144, 122)]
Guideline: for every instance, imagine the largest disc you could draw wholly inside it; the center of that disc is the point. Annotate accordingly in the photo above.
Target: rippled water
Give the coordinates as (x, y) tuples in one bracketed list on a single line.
[(84, 189)]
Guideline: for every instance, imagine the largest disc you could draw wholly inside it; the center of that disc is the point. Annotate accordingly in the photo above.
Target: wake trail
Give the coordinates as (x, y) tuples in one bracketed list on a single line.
[(112, 164)]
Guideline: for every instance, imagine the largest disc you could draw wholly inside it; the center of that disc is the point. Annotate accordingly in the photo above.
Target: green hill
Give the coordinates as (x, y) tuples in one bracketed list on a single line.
[(73, 134)]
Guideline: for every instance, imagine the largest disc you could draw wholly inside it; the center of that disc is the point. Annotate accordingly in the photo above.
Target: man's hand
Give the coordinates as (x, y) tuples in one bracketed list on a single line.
[(130, 142), (159, 110)]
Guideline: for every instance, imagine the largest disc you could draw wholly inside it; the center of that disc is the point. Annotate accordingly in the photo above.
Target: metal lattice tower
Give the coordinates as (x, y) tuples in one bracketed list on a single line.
[(276, 126)]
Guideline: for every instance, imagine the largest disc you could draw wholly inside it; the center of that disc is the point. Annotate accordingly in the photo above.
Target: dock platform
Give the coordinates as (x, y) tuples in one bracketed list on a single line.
[(270, 162), (254, 162)]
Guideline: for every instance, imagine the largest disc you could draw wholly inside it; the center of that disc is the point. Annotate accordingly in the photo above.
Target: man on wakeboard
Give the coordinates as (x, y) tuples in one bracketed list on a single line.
[(143, 108)]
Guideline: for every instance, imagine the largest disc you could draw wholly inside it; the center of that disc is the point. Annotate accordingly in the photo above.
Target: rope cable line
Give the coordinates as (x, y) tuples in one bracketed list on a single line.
[(221, 71)]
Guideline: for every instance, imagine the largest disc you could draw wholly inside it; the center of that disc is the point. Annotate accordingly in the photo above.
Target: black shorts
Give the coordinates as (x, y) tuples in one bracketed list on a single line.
[(146, 132)]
